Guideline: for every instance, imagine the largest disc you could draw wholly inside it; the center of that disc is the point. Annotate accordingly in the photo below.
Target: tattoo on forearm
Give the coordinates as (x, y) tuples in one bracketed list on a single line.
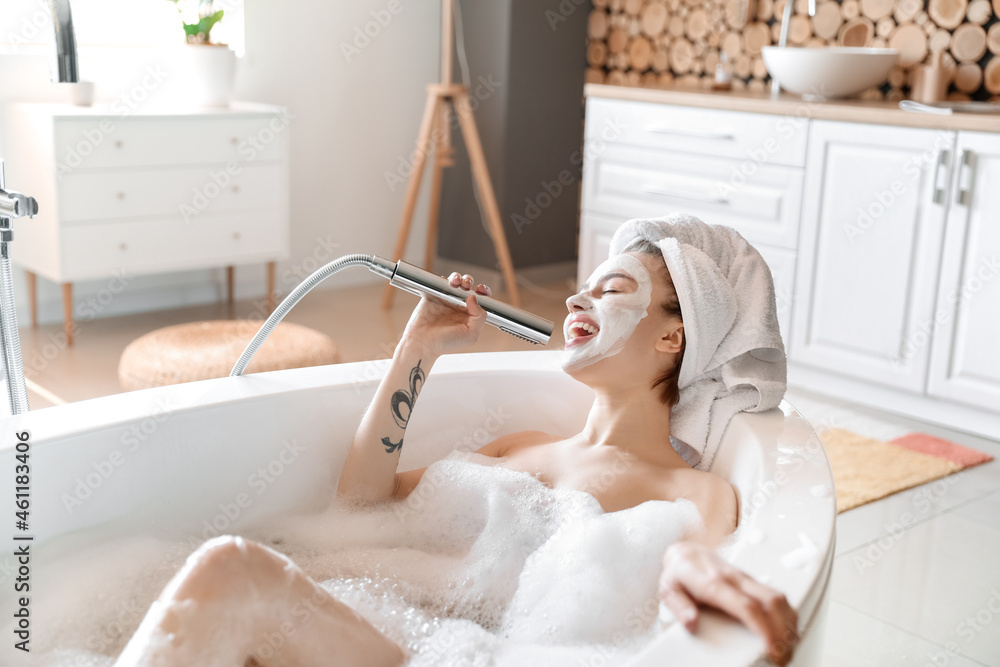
[(401, 405)]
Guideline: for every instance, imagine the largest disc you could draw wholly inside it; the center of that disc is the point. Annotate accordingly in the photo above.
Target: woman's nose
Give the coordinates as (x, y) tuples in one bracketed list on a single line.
[(577, 302)]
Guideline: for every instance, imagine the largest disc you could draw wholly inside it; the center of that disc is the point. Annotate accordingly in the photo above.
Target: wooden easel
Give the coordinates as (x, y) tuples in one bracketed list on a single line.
[(441, 99)]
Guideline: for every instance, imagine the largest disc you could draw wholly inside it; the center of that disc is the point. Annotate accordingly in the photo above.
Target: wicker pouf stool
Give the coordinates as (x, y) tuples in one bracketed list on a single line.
[(202, 350)]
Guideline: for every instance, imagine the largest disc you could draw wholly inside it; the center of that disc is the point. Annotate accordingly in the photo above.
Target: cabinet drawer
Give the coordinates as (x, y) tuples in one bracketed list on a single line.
[(110, 141), (185, 192), (629, 182), (149, 247), (754, 139)]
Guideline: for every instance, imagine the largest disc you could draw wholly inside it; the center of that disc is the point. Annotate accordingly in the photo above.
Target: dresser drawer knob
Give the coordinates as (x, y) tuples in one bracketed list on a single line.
[(236, 189), (234, 141), (121, 195), (123, 246), (119, 144), (236, 235)]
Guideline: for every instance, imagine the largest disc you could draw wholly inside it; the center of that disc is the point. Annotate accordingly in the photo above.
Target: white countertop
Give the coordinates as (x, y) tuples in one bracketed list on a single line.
[(879, 112)]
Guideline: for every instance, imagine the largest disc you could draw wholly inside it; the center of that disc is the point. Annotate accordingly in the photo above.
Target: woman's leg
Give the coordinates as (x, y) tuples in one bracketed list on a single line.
[(236, 602)]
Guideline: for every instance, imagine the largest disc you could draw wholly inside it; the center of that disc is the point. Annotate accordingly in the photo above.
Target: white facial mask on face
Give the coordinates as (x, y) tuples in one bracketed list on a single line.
[(616, 314)]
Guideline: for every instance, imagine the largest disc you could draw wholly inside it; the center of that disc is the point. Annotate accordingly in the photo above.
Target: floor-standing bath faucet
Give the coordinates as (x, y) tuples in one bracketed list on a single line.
[(14, 205)]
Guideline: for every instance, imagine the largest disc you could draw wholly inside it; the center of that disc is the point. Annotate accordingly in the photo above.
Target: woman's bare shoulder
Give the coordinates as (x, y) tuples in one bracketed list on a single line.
[(506, 445), (716, 500)]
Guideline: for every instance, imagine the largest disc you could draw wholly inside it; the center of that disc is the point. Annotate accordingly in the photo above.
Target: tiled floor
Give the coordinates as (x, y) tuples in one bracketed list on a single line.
[(920, 594)]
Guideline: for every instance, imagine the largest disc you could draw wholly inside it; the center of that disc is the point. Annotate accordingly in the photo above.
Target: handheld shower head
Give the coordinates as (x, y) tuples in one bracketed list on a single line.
[(507, 318)]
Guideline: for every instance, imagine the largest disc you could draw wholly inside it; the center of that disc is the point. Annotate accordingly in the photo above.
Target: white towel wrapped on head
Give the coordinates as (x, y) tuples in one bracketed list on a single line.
[(734, 359)]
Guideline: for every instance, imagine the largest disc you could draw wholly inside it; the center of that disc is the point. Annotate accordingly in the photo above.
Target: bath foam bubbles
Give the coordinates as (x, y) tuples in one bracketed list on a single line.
[(481, 565)]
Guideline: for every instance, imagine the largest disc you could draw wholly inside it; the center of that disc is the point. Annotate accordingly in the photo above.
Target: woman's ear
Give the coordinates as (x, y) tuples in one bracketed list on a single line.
[(671, 338)]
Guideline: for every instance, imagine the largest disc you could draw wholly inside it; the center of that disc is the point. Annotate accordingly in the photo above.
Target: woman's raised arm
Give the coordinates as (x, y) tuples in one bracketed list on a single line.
[(369, 474)]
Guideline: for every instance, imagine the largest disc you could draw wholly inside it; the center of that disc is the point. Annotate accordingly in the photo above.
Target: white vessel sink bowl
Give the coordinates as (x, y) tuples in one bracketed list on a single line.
[(822, 73)]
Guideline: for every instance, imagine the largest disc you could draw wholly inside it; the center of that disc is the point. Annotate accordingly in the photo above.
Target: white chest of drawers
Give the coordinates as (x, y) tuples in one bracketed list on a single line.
[(147, 193)]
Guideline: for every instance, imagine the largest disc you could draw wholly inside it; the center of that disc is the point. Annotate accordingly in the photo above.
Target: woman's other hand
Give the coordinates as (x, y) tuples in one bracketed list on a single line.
[(438, 328), (694, 573)]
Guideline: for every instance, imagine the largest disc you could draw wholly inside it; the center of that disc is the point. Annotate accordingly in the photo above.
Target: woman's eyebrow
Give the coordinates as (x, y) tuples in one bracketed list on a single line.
[(613, 274)]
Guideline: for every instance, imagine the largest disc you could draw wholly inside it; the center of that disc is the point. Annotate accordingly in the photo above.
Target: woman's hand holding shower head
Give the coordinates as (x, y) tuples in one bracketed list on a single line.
[(438, 328)]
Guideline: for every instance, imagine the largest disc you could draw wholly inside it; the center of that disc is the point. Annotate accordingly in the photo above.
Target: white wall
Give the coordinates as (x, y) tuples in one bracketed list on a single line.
[(352, 121)]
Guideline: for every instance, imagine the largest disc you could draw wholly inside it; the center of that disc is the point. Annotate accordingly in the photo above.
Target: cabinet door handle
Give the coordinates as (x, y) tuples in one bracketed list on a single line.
[(943, 160), (718, 199), (967, 159), (688, 132)]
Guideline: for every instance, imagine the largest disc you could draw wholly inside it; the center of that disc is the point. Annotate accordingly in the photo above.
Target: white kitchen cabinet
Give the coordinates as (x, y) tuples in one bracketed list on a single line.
[(965, 345), (869, 250), (148, 193), (644, 160), (883, 240)]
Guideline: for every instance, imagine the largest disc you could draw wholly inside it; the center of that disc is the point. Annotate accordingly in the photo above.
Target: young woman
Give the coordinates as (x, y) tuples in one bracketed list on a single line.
[(625, 339)]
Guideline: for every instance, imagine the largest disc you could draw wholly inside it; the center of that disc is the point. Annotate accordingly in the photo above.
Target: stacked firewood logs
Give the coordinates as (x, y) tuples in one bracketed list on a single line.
[(659, 43)]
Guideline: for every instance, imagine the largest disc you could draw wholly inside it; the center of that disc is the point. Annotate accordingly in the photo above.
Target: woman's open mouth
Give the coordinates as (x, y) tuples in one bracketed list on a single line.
[(580, 331)]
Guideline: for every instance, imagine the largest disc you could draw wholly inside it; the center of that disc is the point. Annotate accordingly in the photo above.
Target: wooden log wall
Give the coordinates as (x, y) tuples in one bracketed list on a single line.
[(659, 43)]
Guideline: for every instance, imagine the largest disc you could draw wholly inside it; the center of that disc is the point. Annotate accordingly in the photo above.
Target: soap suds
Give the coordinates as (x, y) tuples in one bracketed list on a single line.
[(480, 566)]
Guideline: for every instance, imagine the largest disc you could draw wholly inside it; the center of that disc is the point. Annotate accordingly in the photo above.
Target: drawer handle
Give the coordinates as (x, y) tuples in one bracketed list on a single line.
[(942, 160), (688, 132), (967, 159), (123, 246), (234, 141), (653, 190), (236, 235), (236, 189), (121, 195), (119, 144)]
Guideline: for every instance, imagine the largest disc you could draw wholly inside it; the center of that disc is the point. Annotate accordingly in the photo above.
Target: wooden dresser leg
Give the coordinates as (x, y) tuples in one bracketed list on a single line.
[(229, 285), (33, 297), (271, 266), (68, 312)]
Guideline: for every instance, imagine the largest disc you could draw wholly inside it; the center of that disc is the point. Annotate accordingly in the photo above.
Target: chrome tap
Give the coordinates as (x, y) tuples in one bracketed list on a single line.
[(64, 61), (15, 205), (12, 205), (786, 19)]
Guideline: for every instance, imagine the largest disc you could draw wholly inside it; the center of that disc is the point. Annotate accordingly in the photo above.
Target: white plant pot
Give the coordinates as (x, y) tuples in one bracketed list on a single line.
[(207, 74)]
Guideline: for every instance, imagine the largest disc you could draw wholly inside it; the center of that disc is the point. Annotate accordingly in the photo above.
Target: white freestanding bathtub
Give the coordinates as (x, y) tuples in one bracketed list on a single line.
[(209, 457)]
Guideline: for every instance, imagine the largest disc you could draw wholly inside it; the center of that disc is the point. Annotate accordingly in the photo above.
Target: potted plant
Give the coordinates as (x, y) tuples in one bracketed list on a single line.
[(209, 67)]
